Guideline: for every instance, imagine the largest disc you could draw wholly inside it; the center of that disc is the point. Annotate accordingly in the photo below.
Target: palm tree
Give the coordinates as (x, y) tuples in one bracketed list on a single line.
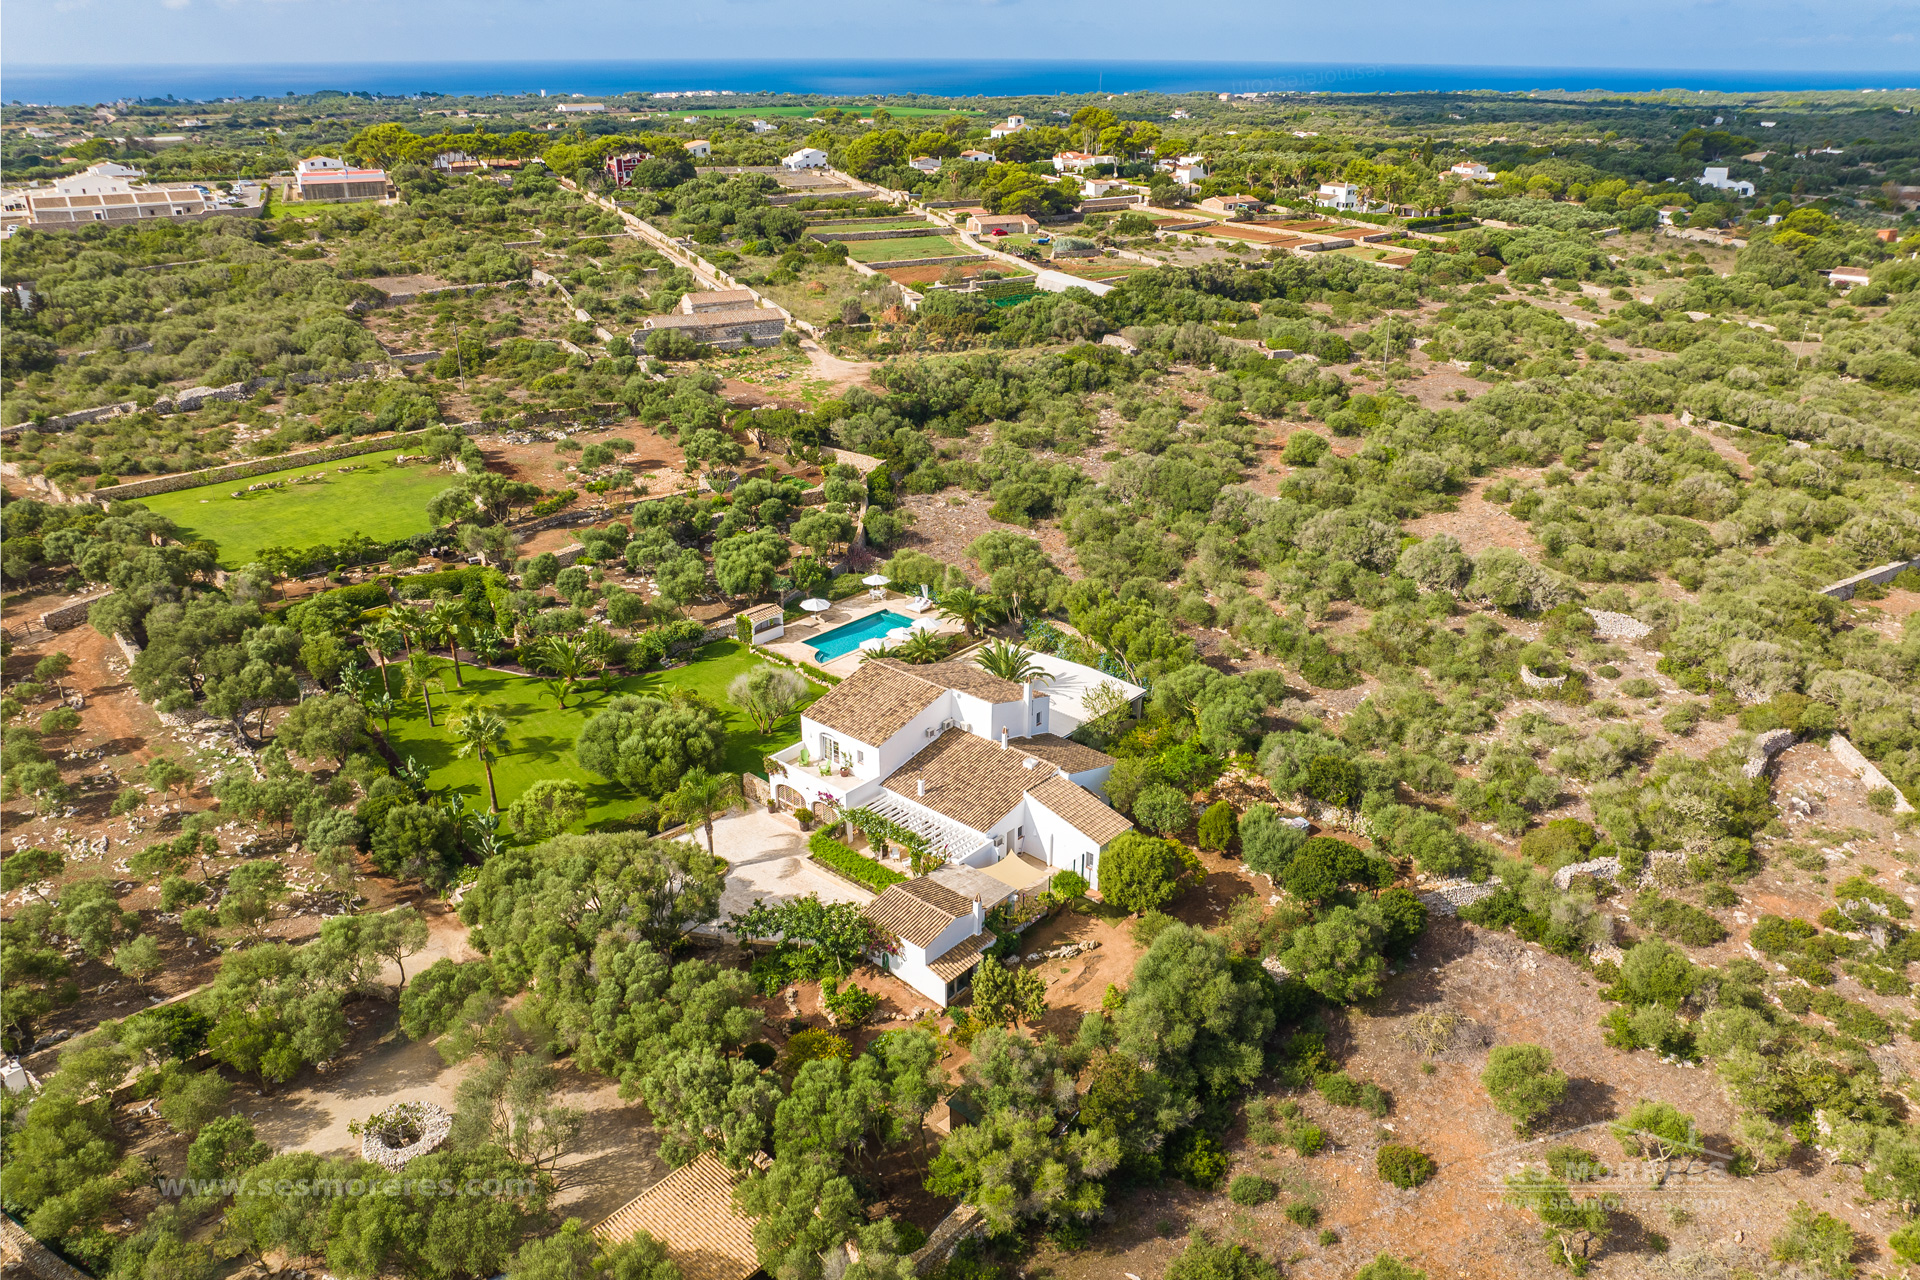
[(884, 651), (383, 641), (700, 797), (382, 704), (482, 732), (421, 678), (571, 658), (969, 608), (410, 623), (921, 648), (1009, 661), (443, 622)]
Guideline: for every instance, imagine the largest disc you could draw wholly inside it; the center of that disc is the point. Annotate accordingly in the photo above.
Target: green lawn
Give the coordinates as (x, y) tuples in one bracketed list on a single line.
[(905, 247), (540, 738), (378, 500)]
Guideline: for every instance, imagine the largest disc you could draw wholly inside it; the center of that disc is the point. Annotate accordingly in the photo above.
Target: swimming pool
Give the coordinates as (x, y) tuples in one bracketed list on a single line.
[(841, 641)]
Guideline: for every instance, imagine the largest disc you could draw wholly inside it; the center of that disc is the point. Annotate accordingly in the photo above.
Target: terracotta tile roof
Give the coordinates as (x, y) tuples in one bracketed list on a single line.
[(961, 958), (691, 1212), (918, 909), (875, 702), (763, 613), (1082, 810), (1063, 753), (968, 779), (964, 677)]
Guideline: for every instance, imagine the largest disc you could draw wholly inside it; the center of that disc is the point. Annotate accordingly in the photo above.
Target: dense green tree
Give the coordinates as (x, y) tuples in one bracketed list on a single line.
[(648, 743)]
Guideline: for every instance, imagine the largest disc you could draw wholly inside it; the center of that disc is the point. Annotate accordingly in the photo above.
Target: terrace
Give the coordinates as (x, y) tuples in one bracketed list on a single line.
[(802, 635)]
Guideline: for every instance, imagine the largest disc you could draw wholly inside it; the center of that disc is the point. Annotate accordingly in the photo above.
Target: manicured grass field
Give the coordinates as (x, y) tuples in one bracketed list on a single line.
[(905, 247), (540, 736), (377, 499)]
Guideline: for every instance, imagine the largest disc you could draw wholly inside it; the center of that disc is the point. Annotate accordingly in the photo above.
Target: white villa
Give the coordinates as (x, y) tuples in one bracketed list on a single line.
[(1338, 195), (1011, 125), (1716, 176), (805, 158), (969, 762)]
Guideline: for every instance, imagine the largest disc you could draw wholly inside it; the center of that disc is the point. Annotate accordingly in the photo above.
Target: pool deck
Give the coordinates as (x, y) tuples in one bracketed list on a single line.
[(794, 644)]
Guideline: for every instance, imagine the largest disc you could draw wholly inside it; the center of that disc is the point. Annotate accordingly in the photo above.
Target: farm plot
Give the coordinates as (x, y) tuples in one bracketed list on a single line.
[(933, 272), (875, 251)]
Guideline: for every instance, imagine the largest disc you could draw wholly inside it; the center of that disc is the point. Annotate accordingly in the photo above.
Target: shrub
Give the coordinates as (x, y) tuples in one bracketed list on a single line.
[(1068, 885), (1139, 872), (813, 1044), (1302, 1214), (1821, 1241), (856, 867), (1267, 843), (1403, 1166), (1306, 1139), (1522, 1081), (1218, 826), (1387, 1267), (1339, 1088), (1559, 842), (1250, 1189), (1196, 1160), (1162, 809), (1672, 918), (852, 1005)]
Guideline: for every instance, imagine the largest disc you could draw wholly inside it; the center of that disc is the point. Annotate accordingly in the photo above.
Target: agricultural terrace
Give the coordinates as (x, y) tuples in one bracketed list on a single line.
[(371, 495), (903, 248), (541, 734)]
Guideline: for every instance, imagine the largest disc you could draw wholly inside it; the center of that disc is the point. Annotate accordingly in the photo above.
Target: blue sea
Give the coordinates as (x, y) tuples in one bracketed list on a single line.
[(71, 85)]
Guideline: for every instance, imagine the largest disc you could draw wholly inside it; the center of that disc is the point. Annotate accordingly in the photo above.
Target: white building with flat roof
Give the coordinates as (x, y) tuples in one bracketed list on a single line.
[(1717, 177)]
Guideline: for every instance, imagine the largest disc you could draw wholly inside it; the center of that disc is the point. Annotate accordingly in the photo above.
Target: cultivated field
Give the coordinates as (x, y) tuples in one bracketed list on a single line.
[(905, 247)]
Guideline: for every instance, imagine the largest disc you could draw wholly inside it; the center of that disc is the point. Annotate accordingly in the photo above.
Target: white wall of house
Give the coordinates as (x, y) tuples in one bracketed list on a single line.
[(910, 965), (1059, 843)]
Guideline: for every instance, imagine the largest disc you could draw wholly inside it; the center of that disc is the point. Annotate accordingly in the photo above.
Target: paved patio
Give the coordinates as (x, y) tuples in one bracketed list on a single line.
[(796, 643), (767, 857)]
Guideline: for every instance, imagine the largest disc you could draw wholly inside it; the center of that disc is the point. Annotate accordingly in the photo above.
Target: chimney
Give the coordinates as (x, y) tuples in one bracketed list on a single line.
[(1003, 737), (979, 915), (1026, 701), (922, 784)]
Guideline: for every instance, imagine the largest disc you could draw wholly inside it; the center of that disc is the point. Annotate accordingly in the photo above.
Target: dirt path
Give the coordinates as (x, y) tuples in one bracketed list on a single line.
[(840, 375)]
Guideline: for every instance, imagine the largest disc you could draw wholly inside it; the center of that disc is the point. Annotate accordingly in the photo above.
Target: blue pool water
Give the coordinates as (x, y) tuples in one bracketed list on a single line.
[(844, 640)]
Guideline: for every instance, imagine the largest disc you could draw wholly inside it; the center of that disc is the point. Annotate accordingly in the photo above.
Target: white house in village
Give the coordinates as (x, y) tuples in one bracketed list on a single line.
[(805, 158), (1338, 195), (969, 762), (1011, 125), (1717, 177), (1473, 171)]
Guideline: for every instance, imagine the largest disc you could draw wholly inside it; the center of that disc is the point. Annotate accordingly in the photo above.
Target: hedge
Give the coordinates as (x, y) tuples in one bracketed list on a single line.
[(423, 585), (856, 867), (362, 596)]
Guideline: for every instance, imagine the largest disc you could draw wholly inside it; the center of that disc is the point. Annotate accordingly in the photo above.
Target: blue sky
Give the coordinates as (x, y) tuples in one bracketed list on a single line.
[(1826, 35)]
